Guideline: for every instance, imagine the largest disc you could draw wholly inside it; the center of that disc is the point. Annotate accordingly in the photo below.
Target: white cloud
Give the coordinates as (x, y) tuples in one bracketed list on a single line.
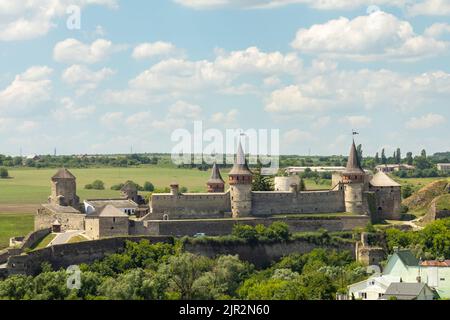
[(27, 126), (438, 29), (75, 51), (27, 89), (378, 35), (225, 118), (23, 20), (69, 111), (290, 100), (182, 109), (427, 121), (85, 79), (321, 122), (296, 136), (266, 4), (150, 50), (112, 120), (357, 122), (430, 8)]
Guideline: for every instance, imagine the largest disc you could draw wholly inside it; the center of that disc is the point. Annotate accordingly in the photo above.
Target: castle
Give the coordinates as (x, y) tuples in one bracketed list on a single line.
[(356, 194)]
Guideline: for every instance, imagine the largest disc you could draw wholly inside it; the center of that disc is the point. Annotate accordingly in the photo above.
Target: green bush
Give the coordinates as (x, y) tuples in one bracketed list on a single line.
[(4, 174), (96, 185), (148, 186)]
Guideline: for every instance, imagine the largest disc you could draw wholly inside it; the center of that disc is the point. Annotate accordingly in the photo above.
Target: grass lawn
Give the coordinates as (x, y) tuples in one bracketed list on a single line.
[(443, 202), (32, 186), (14, 225), (77, 239), (44, 242), (419, 182)]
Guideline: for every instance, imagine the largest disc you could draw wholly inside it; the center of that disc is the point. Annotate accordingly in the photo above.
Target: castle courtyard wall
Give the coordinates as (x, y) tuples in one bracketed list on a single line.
[(273, 203), (190, 205), (69, 221)]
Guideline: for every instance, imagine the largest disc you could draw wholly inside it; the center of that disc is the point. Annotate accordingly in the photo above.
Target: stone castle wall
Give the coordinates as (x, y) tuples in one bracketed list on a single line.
[(190, 205), (272, 203), (63, 256), (389, 200), (263, 255), (69, 221), (218, 227)]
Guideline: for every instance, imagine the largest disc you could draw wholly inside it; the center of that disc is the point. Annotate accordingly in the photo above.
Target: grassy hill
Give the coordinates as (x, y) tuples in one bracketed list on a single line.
[(443, 202), (420, 200)]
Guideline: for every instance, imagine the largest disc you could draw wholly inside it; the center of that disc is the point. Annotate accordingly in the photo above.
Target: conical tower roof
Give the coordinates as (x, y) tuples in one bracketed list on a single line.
[(216, 177), (353, 164), (240, 164), (63, 173)]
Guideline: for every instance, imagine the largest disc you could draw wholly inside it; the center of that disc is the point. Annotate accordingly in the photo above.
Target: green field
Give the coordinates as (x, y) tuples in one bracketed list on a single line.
[(13, 225), (32, 186)]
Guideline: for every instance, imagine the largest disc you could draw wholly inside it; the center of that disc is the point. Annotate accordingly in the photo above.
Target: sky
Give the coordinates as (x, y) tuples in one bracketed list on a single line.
[(126, 74)]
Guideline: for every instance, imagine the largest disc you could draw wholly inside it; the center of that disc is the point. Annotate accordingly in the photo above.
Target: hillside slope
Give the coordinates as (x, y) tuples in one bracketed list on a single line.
[(422, 199)]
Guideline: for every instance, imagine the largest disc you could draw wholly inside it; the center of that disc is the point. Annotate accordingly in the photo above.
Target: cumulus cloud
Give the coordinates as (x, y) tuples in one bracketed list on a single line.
[(74, 51), (290, 100), (357, 122), (69, 111), (150, 50), (266, 4), (176, 77), (425, 122), (297, 136), (430, 8), (225, 118), (85, 79), (27, 89), (437, 29), (379, 35), (23, 20)]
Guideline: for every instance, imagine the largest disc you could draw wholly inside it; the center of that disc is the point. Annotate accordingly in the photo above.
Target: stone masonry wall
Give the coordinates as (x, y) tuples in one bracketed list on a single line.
[(271, 203), (262, 255), (225, 226), (63, 256), (190, 206), (69, 221)]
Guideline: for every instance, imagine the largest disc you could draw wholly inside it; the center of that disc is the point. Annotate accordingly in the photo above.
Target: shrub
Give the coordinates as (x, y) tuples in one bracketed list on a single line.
[(148, 186), (96, 185), (4, 174)]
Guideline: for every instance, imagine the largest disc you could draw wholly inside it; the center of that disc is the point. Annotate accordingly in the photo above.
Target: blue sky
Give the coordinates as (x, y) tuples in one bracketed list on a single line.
[(135, 71)]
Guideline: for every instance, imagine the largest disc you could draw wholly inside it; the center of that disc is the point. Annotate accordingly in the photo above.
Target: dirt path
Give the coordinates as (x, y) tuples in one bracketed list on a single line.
[(18, 208)]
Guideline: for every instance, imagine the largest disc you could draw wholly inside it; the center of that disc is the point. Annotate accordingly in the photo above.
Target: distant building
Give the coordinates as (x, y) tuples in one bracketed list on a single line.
[(296, 170), (404, 267), (125, 205), (107, 222), (444, 167), (408, 291), (387, 168)]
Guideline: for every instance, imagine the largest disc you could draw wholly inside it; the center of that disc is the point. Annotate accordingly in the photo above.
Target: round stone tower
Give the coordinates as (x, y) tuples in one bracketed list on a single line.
[(215, 184), (240, 179), (353, 179), (64, 189)]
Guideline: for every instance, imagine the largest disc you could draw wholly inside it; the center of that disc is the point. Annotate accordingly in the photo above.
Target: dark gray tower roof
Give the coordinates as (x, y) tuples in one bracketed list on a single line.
[(240, 164), (353, 164), (216, 177), (63, 173)]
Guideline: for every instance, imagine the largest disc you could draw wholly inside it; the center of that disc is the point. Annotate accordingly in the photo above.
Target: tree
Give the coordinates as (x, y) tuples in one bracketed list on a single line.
[(398, 156), (4, 174), (359, 151), (383, 157), (302, 186), (148, 186), (377, 158), (423, 153), (182, 272), (409, 158), (407, 191), (261, 182)]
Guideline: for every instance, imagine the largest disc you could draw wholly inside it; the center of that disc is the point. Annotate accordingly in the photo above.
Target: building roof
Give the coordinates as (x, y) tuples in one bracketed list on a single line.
[(108, 211), (56, 223), (381, 179), (118, 203), (63, 173), (404, 290), (353, 163), (435, 263), (240, 166), (60, 209), (216, 177), (407, 257)]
